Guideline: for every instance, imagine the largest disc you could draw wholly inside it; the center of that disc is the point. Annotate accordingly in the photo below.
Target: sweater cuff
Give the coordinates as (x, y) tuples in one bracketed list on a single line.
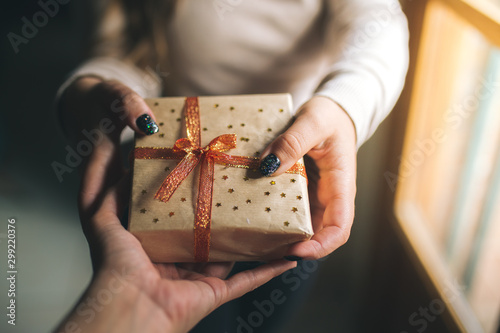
[(145, 83)]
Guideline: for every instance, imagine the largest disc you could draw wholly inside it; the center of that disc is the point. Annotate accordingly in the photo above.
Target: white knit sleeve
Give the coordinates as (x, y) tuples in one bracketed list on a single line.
[(367, 45), (146, 83)]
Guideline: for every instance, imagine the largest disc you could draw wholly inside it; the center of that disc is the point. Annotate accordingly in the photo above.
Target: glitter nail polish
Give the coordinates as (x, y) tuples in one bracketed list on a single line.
[(147, 124), (269, 165)]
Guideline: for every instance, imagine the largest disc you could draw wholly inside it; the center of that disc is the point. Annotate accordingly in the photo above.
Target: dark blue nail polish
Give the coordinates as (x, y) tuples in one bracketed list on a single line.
[(292, 258), (147, 124), (269, 165)]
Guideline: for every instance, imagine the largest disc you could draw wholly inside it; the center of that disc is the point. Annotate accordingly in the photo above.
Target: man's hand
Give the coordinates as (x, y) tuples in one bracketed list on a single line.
[(140, 296)]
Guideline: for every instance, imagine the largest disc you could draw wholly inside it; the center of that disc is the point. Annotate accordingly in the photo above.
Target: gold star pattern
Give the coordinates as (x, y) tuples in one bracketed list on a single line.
[(292, 180), (144, 192), (178, 119), (167, 168), (205, 129), (249, 201), (235, 207), (161, 135), (143, 211), (173, 110), (218, 204), (267, 193), (281, 110), (246, 178), (294, 209), (268, 209), (216, 105), (244, 139), (229, 126), (155, 220), (161, 124), (225, 177), (171, 214), (283, 195), (230, 190), (231, 108), (286, 223), (299, 197), (272, 182), (156, 103), (242, 125), (261, 110), (269, 129), (183, 199)]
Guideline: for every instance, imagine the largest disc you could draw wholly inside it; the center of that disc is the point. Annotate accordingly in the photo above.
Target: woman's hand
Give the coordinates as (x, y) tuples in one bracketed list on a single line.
[(90, 99), (324, 132)]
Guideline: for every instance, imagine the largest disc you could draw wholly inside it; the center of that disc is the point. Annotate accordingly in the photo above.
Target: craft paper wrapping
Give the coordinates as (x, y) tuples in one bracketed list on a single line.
[(252, 217)]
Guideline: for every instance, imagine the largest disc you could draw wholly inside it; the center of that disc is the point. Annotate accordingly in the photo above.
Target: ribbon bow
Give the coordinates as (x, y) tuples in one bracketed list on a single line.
[(190, 152), (193, 155)]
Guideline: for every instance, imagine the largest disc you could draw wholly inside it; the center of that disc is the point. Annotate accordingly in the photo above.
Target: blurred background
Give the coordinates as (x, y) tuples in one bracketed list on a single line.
[(422, 254)]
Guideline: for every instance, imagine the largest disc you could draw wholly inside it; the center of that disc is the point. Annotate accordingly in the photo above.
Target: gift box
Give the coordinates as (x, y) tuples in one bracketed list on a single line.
[(197, 195)]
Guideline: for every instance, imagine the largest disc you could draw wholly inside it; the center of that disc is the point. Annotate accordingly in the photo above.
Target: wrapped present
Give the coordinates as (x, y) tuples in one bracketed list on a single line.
[(197, 195)]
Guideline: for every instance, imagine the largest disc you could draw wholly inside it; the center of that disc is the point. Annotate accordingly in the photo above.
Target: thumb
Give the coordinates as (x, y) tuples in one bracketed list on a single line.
[(128, 106), (304, 134)]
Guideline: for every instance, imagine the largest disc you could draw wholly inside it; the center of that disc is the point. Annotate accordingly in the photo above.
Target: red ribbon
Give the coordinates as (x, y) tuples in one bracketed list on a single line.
[(189, 151)]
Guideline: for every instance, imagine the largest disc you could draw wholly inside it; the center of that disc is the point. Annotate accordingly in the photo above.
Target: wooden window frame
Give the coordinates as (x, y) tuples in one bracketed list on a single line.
[(485, 17)]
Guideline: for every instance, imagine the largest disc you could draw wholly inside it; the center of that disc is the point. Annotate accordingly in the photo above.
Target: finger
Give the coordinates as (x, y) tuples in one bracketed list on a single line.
[(314, 123), (323, 242), (246, 281), (128, 106), (102, 169), (290, 146), (332, 206), (106, 207), (216, 269)]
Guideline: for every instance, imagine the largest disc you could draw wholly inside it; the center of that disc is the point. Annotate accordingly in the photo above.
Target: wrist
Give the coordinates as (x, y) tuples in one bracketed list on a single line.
[(332, 119), (113, 304)]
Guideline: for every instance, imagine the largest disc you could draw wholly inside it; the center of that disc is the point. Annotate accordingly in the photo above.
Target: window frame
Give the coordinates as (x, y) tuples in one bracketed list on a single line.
[(485, 17)]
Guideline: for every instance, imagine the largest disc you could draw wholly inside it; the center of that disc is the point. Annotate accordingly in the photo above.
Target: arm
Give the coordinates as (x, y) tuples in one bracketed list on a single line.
[(368, 51), (367, 70)]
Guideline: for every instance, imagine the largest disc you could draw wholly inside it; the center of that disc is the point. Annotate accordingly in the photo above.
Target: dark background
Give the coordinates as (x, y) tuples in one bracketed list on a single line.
[(369, 285)]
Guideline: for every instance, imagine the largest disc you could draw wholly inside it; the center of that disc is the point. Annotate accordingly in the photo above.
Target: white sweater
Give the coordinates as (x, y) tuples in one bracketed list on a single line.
[(352, 51)]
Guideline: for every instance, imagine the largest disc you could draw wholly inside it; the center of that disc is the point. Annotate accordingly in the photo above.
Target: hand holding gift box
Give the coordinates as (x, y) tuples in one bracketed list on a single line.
[(196, 194)]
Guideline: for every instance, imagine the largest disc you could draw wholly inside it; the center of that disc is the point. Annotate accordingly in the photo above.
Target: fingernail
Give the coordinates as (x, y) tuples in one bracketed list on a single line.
[(292, 258), (147, 124), (269, 165)]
